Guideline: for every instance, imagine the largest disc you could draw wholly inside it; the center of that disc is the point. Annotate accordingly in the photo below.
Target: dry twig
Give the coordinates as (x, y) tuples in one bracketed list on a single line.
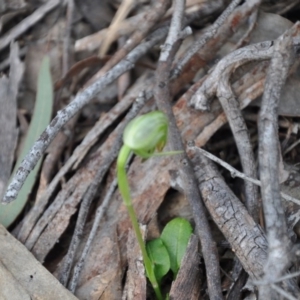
[(279, 242), (66, 42), (124, 9), (240, 132), (235, 173), (210, 33), (163, 100), (99, 214), (153, 16), (246, 238), (237, 58), (28, 22), (207, 53)]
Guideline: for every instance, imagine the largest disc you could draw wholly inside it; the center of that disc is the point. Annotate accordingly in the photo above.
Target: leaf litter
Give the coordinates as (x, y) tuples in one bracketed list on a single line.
[(47, 224)]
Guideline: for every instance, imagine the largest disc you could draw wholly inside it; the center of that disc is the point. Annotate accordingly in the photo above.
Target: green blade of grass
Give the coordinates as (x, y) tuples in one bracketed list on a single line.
[(40, 119)]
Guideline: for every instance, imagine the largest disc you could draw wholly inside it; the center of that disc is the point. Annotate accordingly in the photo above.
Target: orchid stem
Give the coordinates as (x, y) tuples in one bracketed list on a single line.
[(125, 192)]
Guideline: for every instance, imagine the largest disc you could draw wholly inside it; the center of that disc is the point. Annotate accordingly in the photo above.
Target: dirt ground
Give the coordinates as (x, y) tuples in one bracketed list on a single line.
[(226, 75)]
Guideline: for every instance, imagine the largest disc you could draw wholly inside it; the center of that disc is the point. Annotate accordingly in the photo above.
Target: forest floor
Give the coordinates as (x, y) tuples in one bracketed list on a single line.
[(225, 74)]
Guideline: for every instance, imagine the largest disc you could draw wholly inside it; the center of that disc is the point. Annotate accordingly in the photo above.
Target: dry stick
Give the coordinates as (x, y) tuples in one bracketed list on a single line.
[(285, 7), (91, 192), (245, 38), (68, 197), (236, 19), (218, 82), (210, 33), (246, 237), (238, 281), (240, 132), (259, 51), (66, 41), (163, 100), (128, 26), (26, 23), (5, 64), (92, 42), (245, 97), (124, 80), (8, 130), (279, 243), (174, 31), (283, 123), (99, 214), (282, 292), (64, 115), (152, 17), (285, 277), (121, 14), (49, 164), (290, 148), (235, 173)]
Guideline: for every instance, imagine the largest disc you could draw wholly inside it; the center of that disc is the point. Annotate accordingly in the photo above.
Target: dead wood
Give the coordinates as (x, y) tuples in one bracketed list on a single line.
[(34, 280), (8, 102), (247, 239), (187, 284)]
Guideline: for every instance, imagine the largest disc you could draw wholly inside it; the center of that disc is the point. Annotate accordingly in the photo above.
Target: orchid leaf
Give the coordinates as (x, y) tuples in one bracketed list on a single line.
[(175, 237), (159, 257)]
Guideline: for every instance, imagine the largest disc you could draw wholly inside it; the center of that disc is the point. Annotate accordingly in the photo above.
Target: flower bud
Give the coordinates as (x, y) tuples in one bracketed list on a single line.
[(147, 132)]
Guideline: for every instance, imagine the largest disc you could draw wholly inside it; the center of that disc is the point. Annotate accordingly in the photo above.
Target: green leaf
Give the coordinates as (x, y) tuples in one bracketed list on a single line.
[(40, 119), (159, 257), (175, 237)]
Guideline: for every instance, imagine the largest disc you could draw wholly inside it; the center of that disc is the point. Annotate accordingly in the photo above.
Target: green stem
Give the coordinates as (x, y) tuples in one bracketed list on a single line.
[(167, 153), (125, 192)]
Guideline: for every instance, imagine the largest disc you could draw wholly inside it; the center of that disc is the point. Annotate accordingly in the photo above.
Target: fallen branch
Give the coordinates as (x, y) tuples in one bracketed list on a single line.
[(163, 99), (279, 242)]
